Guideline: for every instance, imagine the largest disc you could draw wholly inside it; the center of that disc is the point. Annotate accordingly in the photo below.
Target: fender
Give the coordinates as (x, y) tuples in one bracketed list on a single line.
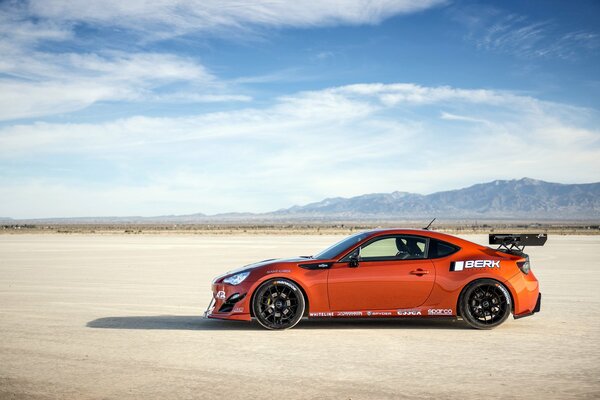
[(257, 284), (506, 284)]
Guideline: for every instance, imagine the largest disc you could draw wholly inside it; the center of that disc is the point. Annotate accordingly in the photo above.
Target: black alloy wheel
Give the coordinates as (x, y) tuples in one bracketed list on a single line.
[(485, 304), (278, 304)]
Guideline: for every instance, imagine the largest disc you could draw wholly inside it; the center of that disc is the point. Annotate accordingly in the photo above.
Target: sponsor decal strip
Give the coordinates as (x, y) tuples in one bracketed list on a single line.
[(410, 312), (330, 314)]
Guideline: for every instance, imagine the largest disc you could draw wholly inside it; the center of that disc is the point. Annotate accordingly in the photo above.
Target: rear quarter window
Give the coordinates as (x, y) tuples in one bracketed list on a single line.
[(438, 249)]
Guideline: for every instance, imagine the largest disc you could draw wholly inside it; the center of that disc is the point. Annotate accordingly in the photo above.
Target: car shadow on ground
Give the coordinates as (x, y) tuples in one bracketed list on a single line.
[(185, 322)]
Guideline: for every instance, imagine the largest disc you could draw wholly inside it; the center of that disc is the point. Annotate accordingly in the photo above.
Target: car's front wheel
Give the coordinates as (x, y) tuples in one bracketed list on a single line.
[(278, 304), (485, 304)]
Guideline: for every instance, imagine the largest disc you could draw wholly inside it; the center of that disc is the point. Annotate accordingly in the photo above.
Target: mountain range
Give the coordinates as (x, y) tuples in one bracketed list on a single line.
[(526, 199)]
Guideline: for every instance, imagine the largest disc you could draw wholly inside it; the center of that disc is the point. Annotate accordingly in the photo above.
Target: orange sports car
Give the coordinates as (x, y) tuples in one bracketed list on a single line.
[(387, 273)]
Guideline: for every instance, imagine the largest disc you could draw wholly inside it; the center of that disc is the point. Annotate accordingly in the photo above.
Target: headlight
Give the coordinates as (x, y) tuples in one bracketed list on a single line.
[(237, 278)]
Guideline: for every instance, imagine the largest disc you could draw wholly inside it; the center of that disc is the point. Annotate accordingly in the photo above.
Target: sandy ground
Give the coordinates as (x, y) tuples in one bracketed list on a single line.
[(119, 317)]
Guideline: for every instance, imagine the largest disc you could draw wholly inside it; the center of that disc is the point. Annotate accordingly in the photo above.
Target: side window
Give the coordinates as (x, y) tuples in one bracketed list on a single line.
[(394, 248), (439, 249), (379, 248)]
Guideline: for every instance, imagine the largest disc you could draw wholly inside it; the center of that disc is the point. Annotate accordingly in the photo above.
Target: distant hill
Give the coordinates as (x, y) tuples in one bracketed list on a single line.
[(526, 199)]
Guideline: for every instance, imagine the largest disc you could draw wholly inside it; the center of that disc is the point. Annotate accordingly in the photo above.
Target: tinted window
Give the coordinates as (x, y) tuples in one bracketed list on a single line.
[(341, 246), (439, 249), (394, 248)]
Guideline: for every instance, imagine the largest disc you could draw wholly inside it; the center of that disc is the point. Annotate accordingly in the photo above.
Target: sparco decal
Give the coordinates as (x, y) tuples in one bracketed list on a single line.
[(348, 314), (408, 313), (321, 314), (439, 311), (462, 265), (238, 309)]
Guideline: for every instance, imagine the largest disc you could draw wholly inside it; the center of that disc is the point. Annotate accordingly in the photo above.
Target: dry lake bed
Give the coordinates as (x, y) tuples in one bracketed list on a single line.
[(119, 317)]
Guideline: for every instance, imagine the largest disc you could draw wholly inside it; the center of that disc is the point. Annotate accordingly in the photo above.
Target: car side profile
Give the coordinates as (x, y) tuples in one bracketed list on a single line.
[(387, 273)]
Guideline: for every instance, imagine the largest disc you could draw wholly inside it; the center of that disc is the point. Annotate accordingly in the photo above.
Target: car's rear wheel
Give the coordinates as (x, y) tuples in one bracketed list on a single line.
[(278, 304), (485, 304)]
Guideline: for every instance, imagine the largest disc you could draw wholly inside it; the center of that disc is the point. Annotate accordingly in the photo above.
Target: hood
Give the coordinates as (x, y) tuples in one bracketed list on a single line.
[(263, 263)]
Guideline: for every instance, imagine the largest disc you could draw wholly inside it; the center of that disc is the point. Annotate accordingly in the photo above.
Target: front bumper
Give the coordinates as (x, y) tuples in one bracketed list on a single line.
[(230, 302)]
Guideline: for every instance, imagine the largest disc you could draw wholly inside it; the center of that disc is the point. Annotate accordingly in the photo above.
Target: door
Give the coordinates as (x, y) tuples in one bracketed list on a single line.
[(392, 273)]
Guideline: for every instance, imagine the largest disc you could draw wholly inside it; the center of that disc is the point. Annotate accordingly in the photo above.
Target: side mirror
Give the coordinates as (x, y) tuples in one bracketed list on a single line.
[(353, 262)]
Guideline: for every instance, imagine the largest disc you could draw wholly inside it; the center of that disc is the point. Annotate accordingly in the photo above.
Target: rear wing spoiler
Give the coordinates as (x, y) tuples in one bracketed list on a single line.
[(517, 241)]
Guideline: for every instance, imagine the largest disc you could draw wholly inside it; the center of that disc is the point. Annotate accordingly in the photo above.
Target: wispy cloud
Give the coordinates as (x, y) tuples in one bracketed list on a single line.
[(492, 29), (184, 16), (38, 84), (37, 80), (462, 118), (344, 140)]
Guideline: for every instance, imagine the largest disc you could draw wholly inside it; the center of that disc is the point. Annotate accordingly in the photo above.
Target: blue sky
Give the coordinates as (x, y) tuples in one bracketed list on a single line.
[(175, 107)]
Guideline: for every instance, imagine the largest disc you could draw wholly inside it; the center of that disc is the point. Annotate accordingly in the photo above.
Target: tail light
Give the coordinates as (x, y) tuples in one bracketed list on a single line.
[(524, 266)]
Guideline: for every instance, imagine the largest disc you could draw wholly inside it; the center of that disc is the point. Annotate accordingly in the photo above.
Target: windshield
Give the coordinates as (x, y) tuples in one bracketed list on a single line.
[(341, 246)]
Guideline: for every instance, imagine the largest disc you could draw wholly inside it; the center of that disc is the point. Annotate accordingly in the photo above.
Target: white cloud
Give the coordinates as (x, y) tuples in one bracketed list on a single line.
[(36, 81), (410, 93), (462, 118), (345, 141), (45, 84), (168, 17), (17, 29)]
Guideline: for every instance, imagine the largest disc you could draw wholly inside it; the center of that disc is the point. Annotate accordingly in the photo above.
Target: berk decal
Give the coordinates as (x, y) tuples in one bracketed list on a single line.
[(462, 265)]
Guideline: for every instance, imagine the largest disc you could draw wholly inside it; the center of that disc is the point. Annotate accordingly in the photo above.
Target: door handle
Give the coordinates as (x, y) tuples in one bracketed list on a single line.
[(419, 272)]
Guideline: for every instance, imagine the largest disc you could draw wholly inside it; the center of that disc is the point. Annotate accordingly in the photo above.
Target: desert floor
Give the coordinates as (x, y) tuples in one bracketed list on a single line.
[(119, 317)]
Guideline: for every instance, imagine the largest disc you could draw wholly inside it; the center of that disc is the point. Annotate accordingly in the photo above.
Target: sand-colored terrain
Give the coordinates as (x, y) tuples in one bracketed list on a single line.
[(119, 317)]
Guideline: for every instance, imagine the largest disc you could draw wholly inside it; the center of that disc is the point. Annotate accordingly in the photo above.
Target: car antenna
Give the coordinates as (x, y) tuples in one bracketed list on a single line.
[(427, 227)]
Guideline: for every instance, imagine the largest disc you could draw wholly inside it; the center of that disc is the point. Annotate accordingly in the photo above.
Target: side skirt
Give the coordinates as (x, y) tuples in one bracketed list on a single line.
[(397, 313)]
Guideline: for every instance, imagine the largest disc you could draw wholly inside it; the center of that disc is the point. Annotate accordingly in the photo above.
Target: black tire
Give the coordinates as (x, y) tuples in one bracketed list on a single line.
[(485, 304), (278, 304)]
